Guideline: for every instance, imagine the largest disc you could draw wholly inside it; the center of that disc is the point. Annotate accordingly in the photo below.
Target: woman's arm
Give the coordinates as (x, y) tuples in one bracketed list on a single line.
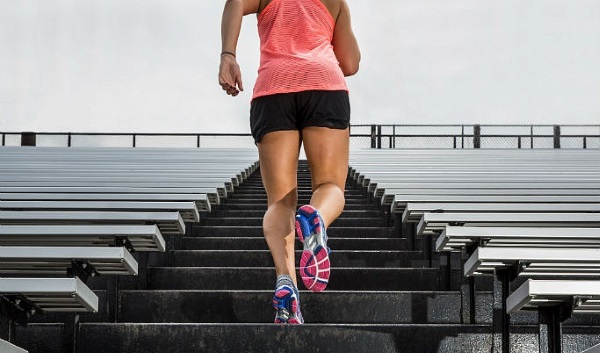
[(344, 42), (230, 76)]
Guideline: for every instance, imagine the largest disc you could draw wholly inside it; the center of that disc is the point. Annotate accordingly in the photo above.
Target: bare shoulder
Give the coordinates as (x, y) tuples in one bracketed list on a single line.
[(334, 6)]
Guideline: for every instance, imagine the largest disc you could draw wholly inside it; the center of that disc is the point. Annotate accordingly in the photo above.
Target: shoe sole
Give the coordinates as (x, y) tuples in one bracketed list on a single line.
[(314, 263), (281, 299)]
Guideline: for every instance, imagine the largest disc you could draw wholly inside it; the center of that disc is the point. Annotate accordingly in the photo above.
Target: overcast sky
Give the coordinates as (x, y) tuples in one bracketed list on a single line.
[(151, 65)]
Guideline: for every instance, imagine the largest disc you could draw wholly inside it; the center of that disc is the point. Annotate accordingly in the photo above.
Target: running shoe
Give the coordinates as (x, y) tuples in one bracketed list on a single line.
[(287, 305), (314, 263)]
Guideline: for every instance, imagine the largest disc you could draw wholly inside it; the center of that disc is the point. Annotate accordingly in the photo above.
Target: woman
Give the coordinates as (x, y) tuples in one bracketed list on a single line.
[(300, 96)]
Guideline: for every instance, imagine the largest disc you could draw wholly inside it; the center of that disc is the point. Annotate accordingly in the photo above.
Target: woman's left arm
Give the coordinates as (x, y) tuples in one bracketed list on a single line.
[(344, 42)]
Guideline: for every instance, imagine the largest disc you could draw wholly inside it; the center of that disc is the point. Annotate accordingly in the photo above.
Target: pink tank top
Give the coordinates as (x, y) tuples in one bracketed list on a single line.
[(296, 53)]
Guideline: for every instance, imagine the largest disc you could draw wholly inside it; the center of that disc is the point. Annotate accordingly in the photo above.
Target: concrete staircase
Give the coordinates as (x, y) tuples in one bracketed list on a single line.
[(213, 294)]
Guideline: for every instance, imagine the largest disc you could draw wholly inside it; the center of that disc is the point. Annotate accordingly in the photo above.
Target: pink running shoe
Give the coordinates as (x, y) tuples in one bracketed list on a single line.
[(287, 305), (314, 263)]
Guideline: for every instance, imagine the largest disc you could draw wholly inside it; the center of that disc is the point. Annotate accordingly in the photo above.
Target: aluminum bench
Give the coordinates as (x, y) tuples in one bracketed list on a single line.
[(548, 253), (51, 294), (378, 189), (201, 200), (188, 210), (535, 262), (167, 222), (7, 347), (401, 201), (458, 238), (25, 260), (585, 295), (434, 223), (214, 194), (137, 237), (483, 176), (414, 211), (132, 181), (403, 194)]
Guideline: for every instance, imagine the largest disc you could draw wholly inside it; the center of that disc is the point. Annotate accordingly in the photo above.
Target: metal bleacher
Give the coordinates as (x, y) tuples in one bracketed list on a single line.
[(67, 214), (532, 215)]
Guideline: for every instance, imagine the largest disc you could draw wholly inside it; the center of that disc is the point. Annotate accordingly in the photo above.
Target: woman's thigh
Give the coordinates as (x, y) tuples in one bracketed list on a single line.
[(327, 153), (278, 153)]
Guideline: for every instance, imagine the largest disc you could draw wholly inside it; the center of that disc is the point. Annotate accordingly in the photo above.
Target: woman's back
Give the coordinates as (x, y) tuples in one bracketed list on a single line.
[(333, 6), (296, 48)]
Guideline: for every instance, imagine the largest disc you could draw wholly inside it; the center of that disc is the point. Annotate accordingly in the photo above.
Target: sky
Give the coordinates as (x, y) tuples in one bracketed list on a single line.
[(151, 65)]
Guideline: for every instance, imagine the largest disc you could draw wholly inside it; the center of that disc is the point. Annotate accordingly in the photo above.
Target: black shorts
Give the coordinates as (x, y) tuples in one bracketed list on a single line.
[(295, 111)]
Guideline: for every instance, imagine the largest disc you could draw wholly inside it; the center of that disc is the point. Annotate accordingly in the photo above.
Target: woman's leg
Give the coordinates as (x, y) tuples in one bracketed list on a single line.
[(327, 153), (278, 153)]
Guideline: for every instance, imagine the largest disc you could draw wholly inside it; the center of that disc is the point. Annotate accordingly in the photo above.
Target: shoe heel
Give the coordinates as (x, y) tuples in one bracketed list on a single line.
[(285, 300)]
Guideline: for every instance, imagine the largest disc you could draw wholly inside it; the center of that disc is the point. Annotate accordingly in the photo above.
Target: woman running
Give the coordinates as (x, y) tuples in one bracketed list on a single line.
[(300, 97)]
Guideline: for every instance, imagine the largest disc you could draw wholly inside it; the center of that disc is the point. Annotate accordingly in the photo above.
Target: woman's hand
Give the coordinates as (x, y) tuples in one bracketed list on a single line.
[(230, 76)]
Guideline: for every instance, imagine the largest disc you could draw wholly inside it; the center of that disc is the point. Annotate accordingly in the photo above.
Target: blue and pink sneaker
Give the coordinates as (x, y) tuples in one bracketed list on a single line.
[(314, 263), (287, 305)]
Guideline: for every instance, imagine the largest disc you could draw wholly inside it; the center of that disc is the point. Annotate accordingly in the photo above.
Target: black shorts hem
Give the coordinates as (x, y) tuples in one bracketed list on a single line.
[(258, 138), (295, 111)]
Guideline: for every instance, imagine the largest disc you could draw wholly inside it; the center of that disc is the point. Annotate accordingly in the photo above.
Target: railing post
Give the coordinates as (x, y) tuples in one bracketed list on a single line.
[(373, 136), (584, 142), (531, 139), (519, 143), (28, 139), (69, 140), (556, 136), (198, 141), (477, 136), (379, 136), (134, 138)]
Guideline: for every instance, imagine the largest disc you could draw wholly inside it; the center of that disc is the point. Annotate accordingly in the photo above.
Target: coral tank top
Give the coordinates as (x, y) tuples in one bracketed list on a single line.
[(296, 53)]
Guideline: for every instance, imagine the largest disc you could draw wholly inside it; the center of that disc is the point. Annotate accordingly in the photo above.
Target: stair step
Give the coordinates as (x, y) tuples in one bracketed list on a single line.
[(262, 206), (258, 243), (169, 308), (262, 258), (258, 200), (245, 338), (243, 190), (302, 196), (251, 278), (257, 221), (334, 232), (251, 213), (255, 307), (267, 338)]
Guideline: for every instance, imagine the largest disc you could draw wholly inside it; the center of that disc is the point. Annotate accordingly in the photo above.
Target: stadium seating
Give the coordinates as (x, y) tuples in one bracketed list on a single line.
[(79, 212), (532, 214)]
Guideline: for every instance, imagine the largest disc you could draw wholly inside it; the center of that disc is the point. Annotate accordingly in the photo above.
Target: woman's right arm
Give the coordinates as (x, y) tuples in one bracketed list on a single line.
[(230, 76), (344, 42)]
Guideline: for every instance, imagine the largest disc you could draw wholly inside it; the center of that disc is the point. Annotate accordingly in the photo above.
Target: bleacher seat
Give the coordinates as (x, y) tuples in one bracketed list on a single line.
[(529, 213), (78, 212)]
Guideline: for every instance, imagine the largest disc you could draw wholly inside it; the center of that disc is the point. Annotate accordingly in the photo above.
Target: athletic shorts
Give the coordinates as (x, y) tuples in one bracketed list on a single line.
[(295, 111)]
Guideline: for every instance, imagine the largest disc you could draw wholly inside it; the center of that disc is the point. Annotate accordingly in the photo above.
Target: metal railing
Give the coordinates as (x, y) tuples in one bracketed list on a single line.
[(361, 136)]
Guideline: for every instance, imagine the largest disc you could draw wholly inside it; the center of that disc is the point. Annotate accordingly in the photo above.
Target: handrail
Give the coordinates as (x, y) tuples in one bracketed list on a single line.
[(379, 136)]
